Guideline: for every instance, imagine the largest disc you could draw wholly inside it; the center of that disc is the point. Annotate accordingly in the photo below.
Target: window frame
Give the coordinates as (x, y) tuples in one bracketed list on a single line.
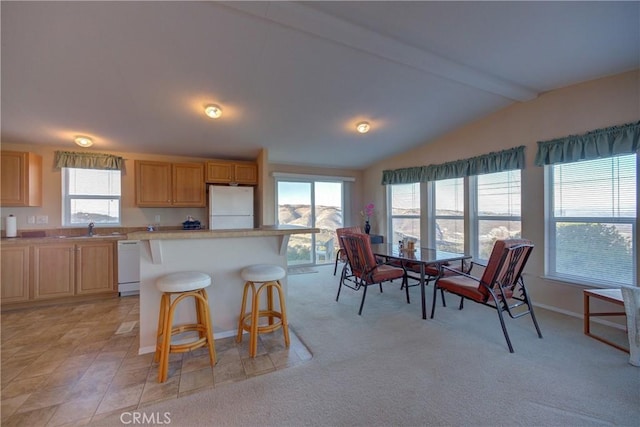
[(67, 199), (475, 217), (391, 216), (550, 233), (433, 217)]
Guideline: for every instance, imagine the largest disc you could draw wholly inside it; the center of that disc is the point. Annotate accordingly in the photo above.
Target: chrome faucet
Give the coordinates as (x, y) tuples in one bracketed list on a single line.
[(91, 225)]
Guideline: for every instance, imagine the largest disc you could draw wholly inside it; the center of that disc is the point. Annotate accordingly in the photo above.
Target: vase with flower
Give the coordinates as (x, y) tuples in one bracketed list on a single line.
[(367, 213)]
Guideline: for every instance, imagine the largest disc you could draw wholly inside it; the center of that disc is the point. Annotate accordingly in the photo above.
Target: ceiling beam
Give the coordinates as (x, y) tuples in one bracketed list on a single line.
[(303, 18)]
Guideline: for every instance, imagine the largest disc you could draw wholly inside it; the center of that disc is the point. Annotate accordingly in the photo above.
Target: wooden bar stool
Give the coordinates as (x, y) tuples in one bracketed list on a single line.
[(268, 278), (182, 285)]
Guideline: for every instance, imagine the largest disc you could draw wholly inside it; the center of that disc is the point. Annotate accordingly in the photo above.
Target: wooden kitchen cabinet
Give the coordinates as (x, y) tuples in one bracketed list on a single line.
[(163, 184), (94, 267), (15, 274), (230, 172), (21, 175), (53, 270)]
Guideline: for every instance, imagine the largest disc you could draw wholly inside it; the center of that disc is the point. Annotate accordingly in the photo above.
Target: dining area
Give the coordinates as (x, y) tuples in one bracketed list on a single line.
[(498, 284)]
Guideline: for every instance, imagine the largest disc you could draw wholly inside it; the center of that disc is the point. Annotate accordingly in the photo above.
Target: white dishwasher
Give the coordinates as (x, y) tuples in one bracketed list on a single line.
[(128, 267)]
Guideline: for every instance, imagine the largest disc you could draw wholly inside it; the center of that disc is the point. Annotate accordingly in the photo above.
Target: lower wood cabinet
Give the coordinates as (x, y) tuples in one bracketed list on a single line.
[(57, 270), (15, 274), (94, 268), (53, 271)]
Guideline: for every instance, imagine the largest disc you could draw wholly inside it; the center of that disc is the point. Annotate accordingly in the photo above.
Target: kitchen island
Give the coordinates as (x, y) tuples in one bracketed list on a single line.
[(220, 253)]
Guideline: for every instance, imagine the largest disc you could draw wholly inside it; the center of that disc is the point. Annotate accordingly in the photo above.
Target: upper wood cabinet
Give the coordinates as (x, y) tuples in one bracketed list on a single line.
[(162, 184), (230, 172), (21, 179)]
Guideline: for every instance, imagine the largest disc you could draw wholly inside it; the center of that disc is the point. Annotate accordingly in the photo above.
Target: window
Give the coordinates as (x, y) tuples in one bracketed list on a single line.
[(90, 195), (449, 214), (404, 203), (592, 220), (497, 213), (311, 203)]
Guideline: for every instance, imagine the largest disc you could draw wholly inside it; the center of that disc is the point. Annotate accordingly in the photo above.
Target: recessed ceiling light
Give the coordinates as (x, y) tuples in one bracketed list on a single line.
[(363, 127), (213, 111), (83, 141)]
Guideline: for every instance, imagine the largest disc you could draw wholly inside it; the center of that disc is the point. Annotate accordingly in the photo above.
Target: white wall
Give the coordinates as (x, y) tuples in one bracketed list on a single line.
[(573, 110)]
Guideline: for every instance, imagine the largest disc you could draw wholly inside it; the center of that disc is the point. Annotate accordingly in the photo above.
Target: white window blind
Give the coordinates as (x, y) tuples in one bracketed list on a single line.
[(91, 195), (592, 221), (498, 216), (449, 214), (405, 211)]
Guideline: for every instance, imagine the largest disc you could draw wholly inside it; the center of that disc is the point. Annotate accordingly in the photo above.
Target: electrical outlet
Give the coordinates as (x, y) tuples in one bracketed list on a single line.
[(42, 219), (157, 218), (31, 219)]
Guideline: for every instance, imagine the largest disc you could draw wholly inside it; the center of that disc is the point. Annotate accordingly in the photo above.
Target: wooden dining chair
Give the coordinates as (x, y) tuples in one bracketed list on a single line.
[(364, 269), (500, 287)]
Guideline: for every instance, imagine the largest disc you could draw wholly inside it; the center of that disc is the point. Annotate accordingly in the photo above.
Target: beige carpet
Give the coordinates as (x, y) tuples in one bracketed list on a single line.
[(292, 271), (389, 367)]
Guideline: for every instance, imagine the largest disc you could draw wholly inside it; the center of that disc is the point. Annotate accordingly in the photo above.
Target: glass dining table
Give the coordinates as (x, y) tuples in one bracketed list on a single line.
[(421, 257)]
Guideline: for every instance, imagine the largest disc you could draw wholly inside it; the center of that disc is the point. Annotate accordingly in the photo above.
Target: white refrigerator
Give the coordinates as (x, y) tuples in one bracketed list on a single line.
[(230, 207)]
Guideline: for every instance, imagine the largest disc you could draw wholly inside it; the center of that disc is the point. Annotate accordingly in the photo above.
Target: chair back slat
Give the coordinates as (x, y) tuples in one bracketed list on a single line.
[(505, 265), (343, 231), (359, 253)]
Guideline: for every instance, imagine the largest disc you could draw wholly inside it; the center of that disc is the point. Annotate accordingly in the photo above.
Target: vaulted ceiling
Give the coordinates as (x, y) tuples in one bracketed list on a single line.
[(292, 77)]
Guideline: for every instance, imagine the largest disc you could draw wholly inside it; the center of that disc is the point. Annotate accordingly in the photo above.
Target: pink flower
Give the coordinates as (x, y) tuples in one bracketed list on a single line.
[(368, 211)]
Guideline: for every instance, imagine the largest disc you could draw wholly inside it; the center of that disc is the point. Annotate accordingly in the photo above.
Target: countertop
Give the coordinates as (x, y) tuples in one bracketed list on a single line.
[(281, 230), (61, 239)]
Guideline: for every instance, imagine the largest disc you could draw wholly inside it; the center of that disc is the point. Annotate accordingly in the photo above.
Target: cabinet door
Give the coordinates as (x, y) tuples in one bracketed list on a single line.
[(246, 173), (188, 185), (15, 274), (153, 183), (53, 271), (219, 172), (21, 179), (94, 267)]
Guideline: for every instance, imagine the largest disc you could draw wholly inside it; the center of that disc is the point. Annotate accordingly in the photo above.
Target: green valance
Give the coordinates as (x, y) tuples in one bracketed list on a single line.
[(499, 161), (402, 176), (70, 159), (600, 143)]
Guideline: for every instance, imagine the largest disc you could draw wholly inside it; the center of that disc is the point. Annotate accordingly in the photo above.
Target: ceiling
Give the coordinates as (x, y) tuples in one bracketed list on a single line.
[(292, 77)]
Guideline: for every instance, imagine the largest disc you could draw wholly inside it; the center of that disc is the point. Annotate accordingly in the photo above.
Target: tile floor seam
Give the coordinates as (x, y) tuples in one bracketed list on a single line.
[(91, 337)]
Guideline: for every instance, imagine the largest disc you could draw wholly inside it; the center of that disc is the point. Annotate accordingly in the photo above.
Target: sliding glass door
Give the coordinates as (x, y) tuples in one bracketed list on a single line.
[(311, 203)]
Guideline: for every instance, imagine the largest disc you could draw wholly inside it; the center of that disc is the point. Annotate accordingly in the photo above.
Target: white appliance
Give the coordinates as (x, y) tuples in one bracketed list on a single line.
[(128, 267), (230, 207)]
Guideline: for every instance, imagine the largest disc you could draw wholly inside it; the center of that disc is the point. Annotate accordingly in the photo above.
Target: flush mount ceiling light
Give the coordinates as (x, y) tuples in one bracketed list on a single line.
[(363, 127), (83, 141), (213, 111)]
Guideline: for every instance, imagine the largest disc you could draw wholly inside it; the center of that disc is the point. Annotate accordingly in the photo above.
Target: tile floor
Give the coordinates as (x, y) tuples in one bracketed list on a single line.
[(73, 363)]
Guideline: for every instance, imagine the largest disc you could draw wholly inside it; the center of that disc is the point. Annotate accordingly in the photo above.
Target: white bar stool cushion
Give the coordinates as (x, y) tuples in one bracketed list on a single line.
[(183, 281), (261, 273)]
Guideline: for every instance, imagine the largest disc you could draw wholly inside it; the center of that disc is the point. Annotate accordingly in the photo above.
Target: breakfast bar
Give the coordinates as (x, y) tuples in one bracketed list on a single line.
[(222, 254)]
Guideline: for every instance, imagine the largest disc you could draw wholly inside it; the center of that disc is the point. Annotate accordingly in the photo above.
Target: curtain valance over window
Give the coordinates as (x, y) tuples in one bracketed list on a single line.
[(70, 159), (402, 176), (600, 143), (499, 161)]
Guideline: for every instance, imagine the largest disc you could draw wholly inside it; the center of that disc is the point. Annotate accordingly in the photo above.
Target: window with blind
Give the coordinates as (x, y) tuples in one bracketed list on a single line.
[(592, 220), (404, 215), (498, 210), (449, 214), (90, 195)]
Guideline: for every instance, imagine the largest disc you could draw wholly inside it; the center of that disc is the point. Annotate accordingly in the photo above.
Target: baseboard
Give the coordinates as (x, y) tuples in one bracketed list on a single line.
[(580, 316)]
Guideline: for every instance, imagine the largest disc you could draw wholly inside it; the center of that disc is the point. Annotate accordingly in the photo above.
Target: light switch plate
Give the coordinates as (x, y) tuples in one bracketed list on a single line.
[(42, 219)]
